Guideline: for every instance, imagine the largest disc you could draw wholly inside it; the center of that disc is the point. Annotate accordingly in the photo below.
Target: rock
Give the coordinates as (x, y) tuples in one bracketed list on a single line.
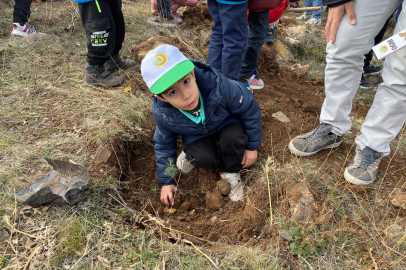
[(223, 186), (213, 237), (281, 117), (140, 50), (185, 206), (301, 202), (214, 201), (213, 219), (285, 235), (399, 200), (102, 154), (67, 183), (292, 41)]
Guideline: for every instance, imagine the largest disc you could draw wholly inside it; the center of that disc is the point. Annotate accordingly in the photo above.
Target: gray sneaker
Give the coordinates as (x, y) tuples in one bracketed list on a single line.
[(115, 63), (183, 164), (99, 76), (363, 167), (310, 143)]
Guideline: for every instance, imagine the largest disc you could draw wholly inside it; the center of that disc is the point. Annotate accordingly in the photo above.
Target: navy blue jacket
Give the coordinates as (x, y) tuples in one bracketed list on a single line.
[(225, 101)]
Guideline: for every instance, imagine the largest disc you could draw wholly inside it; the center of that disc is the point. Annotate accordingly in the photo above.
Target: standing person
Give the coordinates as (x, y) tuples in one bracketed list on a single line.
[(229, 35), (166, 11), (312, 17), (349, 39), (104, 25), (218, 118), (20, 18)]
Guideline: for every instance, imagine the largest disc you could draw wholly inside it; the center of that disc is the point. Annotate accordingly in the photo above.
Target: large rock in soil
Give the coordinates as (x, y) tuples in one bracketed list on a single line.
[(301, 202), (140, 50), (400, 200), (223, 186), (214, 201), (67, 183)]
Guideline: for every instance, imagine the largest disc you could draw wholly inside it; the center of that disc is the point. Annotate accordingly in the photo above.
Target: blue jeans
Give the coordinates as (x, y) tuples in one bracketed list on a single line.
[(164, 8), (258, 28), (228, 41), (314, 3)]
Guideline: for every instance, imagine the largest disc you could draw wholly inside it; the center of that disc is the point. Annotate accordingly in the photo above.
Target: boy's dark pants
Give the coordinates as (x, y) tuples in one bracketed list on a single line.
[(223, 149), (21, 11), (229, 34), (105, 29)]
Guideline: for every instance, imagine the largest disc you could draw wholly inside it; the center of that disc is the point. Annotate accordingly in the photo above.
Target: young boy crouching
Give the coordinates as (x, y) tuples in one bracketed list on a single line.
[(218, 118)]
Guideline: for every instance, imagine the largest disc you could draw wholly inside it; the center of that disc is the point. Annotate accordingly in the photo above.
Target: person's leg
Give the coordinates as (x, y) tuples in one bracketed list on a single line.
[(100, 29), (235, 35), (203, 153), (345, 60), (164, 8), (258, 28), (231, 142), (387, 114), (21, 11), (216, 38), (317, 13)]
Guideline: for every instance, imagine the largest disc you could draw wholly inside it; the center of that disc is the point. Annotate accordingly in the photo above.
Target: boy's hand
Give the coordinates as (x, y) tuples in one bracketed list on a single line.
[(249, 158), (167, 194)]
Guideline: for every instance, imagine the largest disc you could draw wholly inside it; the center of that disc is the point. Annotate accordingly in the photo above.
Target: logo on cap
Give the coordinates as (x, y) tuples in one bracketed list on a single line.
[(383, 49), (160, 59)]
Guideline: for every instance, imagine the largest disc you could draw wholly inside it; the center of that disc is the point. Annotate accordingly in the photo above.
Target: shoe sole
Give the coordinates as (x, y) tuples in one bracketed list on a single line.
[(18, 33), (365, 87), (354, 180), (298, 153), (373, 73), (162, 24), (256, 87), (103, 85)]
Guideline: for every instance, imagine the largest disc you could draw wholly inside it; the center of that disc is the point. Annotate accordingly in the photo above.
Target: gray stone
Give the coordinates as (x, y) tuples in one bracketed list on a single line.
[(281, 117), (285, 235), (67, 183)]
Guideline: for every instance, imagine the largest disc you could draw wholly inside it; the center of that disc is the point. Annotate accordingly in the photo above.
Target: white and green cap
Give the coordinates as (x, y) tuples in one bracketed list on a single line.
[(163, 66)]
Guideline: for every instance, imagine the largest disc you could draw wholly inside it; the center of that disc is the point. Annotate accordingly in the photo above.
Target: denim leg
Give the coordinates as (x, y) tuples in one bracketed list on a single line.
[(308, 3), (235, 36), (164, 8), (317, 14), (259, 24), (216, 38)]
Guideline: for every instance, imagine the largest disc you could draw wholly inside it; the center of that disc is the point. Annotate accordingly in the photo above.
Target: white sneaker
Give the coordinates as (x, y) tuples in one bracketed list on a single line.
[(236, 184), (183, 164), (254, 82), (304, 16), (22, 30), (314, 21)]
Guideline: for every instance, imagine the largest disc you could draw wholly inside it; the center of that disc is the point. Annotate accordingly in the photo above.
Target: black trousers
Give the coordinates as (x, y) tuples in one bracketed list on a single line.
[(105, 29), (223, 149), (21, 11), (377, 39)]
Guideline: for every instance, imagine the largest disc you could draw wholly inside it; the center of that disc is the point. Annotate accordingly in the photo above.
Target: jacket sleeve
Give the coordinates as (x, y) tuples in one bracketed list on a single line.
[(334, 3), (165, 149), (241, 101)]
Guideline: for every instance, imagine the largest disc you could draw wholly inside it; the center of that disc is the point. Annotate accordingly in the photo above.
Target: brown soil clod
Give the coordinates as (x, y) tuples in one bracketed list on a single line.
[(185, 206), (214, 201), (223, 186)]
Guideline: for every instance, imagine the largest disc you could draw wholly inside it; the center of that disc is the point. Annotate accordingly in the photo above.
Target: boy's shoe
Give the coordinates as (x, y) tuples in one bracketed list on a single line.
[(314, 21), (304, 16), (236, 184), (363, 167), (164, 22), (310, 143), (23, 29), (254, 82), (99, 76), (115, 63), (183, 164), (270, 36), (372, 70), (364, 84)]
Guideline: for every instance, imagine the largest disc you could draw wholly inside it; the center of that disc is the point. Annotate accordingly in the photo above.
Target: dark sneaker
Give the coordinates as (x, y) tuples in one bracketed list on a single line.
[(99, 76), (364, 84), (296, 5), (372, 70), (23, 29), (270, 36), (363, 167), (115, 63), (310, 143)]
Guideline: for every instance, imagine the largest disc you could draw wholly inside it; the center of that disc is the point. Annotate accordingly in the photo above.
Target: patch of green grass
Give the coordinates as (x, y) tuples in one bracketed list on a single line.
[(307, 242)]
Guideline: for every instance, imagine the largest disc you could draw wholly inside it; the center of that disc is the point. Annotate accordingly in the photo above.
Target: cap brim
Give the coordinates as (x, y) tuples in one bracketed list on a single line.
[(172, 76)]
